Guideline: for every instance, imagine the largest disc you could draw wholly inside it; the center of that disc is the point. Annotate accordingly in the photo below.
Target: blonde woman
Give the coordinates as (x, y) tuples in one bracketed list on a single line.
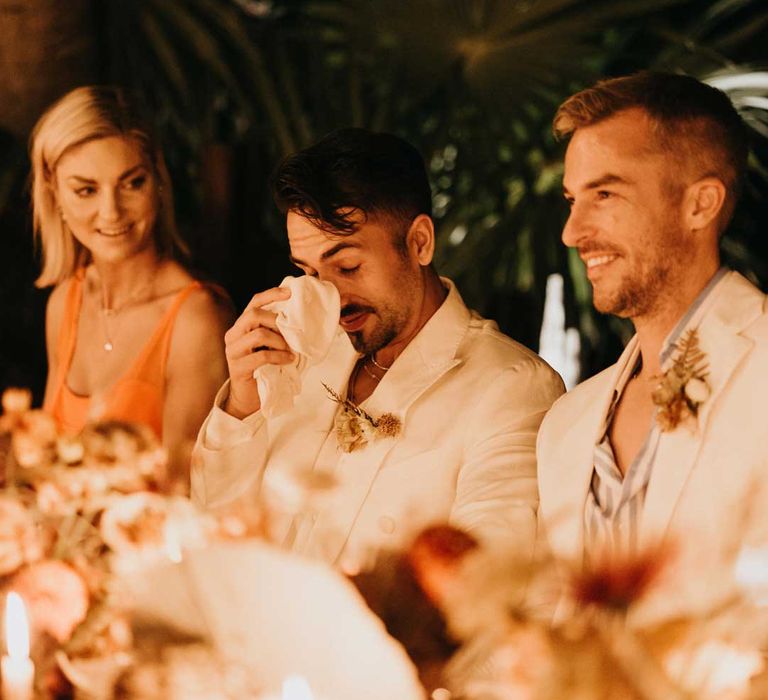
[(131, 334)]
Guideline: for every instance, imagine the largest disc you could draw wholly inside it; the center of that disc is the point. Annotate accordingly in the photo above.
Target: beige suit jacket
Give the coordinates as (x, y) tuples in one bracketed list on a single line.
[(708, 493), (470, 400)]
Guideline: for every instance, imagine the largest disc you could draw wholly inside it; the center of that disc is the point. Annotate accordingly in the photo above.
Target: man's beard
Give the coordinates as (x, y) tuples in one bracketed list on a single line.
[(642, 291), (637, 296), (390, 324)]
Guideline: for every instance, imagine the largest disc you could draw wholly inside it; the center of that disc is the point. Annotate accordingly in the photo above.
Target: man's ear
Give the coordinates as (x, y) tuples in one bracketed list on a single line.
[(420, 239), (704, 201)]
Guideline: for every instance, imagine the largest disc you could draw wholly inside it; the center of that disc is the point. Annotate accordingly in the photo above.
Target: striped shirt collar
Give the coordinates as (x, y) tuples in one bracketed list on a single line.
[(692, 316)]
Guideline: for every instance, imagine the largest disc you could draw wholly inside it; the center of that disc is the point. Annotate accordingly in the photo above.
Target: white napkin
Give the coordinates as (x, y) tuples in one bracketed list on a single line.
[(308, 321)]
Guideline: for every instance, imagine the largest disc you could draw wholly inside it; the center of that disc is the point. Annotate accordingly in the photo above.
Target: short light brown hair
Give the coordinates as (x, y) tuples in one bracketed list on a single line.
[(82, 115), (694, 122)]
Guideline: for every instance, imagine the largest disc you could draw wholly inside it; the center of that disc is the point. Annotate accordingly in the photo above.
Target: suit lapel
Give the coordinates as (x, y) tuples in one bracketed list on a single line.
[(426, 359), (564, 489), (737, 304)]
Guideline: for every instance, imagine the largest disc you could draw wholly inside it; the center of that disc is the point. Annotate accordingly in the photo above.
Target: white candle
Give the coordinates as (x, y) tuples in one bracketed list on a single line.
[(17, 668)]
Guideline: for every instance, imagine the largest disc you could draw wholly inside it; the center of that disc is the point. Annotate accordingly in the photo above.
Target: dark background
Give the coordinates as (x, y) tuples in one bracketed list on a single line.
[(237, 84)]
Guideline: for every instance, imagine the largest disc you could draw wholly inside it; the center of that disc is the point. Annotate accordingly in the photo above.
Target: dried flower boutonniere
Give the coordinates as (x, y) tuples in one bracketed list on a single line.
[(683, 387), (355, 428)]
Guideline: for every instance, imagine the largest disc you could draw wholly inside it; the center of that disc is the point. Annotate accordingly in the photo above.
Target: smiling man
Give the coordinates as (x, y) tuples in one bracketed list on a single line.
[(667, 445), (468, 399)]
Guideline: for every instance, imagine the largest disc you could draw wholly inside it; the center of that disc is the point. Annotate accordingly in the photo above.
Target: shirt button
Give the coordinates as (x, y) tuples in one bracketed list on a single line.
[(386, 524)]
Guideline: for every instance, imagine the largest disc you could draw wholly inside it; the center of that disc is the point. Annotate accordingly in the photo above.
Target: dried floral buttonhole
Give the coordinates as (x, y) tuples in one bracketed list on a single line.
[(683, 387), (355, 428)]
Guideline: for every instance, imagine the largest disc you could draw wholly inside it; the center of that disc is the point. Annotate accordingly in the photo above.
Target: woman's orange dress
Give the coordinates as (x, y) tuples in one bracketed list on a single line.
[(138, 396)]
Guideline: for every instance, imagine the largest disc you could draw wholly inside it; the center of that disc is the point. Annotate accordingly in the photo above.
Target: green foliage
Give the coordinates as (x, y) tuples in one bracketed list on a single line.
[(472, 83)]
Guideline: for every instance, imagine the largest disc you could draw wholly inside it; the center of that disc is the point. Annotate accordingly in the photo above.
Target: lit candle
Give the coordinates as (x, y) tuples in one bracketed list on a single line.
[(18, 669)]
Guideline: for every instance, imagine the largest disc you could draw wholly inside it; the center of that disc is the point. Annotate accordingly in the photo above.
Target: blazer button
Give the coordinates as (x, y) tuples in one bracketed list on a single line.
[(386, 524)]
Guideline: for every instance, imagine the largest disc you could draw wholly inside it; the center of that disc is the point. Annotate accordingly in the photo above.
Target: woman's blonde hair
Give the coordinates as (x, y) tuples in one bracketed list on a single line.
[(82, 115)]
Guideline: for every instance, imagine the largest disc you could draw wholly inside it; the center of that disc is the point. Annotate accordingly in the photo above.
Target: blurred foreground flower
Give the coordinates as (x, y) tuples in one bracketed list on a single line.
[(296, 490), (616, 582), (751, 573), (436, 556), (191, 671), (75, 509), (19, 541), (714, 669), (56, 595), (16, 401), (34, 438)]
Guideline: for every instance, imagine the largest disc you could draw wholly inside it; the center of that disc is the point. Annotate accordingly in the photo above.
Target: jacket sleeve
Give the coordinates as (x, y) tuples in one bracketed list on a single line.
[(229, 456), (496, 493)]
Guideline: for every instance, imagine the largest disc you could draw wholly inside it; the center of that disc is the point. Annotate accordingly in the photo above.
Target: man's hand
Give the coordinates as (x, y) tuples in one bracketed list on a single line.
[(252, 342)]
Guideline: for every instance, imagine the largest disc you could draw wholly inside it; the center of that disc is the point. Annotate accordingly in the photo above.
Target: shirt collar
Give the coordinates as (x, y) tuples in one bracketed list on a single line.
[(438, 340), (692, 316)]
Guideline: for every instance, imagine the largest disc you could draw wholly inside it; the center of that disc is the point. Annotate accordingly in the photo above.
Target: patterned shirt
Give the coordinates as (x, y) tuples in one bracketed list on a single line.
[(614, 505)]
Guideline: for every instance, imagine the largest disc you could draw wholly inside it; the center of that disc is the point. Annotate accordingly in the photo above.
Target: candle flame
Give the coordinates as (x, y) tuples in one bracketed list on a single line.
[(296, 688), (16, 627)]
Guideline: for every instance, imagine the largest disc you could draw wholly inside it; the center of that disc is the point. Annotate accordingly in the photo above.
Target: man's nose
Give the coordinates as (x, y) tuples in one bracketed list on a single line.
[(576, 227)]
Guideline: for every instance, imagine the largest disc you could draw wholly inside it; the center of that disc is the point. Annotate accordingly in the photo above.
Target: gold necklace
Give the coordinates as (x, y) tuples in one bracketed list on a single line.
[(372, 358), (112, 312), (369, 373), (108, 345)]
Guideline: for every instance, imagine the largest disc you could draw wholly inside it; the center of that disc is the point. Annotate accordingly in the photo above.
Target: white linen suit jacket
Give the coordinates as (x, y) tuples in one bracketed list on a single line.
[(470, 400), (708, 492)]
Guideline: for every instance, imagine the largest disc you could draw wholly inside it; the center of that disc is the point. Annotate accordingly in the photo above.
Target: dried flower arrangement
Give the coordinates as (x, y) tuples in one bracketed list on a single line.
[(75, 512), (683, 387), (355, 428), (508, 648)]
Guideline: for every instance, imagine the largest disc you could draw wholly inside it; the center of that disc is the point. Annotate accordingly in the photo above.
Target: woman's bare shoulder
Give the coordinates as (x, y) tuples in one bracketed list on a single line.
[(197, 344), (57, 300), (205, 315), (206, 305)]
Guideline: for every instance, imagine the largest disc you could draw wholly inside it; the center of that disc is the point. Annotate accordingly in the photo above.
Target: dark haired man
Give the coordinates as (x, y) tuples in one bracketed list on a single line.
[(667, 445), (469, 399)]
